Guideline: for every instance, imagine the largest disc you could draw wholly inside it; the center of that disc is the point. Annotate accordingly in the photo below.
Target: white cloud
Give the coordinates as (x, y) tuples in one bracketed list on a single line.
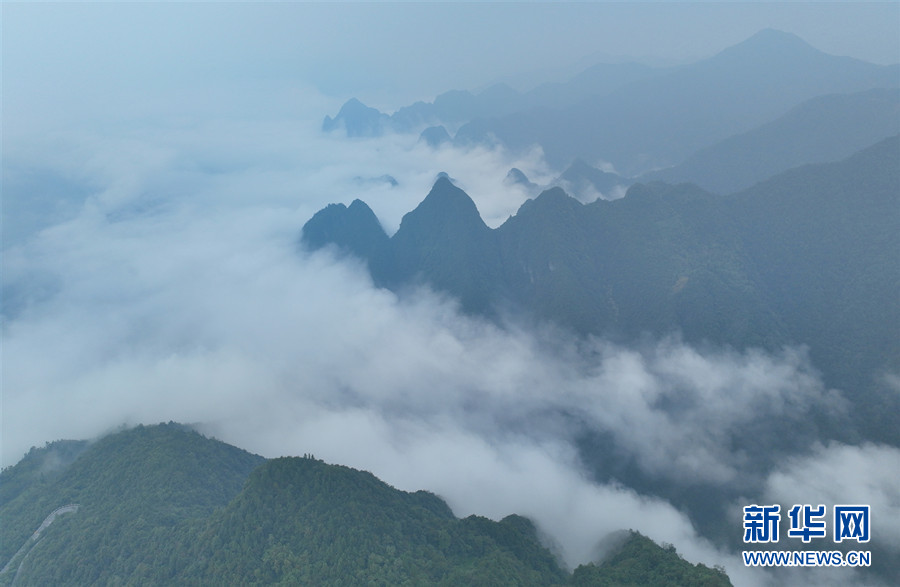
[(175, 292), (837, 473)]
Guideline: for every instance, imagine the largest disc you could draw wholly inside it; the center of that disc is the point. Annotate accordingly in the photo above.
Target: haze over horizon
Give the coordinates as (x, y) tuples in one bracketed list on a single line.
[(138, 52)]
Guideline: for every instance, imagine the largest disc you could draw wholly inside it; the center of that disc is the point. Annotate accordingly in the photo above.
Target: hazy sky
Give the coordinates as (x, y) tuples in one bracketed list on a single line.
[(386, 54)]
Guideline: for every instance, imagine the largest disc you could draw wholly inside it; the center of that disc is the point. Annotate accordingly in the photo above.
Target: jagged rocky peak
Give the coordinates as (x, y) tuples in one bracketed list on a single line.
[(445, 206), (446, 196), (354, 228), (360, 210)]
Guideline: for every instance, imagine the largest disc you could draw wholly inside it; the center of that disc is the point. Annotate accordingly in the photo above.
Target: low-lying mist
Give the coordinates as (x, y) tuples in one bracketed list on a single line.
[(158, 278)]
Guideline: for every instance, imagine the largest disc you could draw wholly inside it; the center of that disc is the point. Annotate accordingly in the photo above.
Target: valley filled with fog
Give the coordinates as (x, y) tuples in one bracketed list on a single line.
[(153, 271)]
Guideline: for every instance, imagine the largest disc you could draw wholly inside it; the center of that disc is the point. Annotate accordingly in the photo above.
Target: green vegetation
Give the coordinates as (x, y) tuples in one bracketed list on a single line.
[(164, 505), (138, 491), (639, 562)]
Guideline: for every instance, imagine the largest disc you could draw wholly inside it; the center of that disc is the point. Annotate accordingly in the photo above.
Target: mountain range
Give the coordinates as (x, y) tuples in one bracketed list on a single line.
[(819, 130), (638, 118), (807, 257), (456, 107)]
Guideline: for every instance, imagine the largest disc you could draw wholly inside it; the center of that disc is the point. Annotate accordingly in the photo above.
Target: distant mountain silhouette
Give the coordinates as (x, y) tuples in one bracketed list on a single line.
[(661, 120), (358, 120), (435, 136), (516, 177), (456, 107), (822, 129)]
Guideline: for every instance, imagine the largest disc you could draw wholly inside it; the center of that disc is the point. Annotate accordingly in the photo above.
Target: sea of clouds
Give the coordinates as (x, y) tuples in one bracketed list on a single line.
[(151, 272)]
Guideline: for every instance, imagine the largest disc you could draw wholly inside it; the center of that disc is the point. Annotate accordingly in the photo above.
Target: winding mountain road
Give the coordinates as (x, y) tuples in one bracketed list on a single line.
[(34, 538)]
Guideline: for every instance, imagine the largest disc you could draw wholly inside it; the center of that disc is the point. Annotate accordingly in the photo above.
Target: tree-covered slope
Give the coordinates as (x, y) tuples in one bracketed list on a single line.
[(301, 521), (136, 491), (639, 562), (660, 260), (163, 505)]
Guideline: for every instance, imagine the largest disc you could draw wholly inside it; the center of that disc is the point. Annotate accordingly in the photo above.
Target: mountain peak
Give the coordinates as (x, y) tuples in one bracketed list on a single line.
[(516, 176), (447, 212), (551, 201), (770, 35), (435, 136), (355, 229), (447, 201), (358, 119), (445, 242), (554, 194), (353, 106), (770, 43)]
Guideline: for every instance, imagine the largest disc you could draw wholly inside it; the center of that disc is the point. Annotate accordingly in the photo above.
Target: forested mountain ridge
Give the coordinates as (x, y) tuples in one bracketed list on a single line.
[(806, 257), (135, 490), (164, 504)]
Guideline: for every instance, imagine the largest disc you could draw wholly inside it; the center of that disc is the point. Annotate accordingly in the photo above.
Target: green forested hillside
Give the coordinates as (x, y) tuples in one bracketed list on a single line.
[(136, 490), (163, 505), (639, 562), (301, 521)]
